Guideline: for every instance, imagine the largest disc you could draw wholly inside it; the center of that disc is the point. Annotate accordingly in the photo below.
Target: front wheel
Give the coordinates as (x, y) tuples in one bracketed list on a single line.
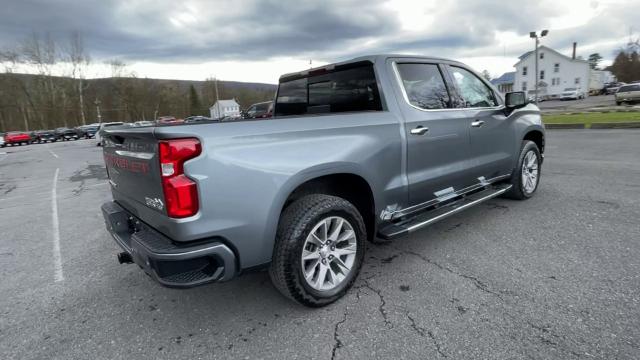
[(319, 250), (526, 176)]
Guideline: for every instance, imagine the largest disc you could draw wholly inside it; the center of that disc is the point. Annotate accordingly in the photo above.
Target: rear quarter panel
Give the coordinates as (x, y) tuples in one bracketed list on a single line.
[(247, 169)]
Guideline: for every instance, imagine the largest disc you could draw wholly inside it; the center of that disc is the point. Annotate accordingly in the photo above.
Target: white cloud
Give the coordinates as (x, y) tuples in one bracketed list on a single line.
[(251, 40)]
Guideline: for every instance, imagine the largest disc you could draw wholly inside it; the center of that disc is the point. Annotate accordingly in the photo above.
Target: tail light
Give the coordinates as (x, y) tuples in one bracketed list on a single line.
[(180, 192)]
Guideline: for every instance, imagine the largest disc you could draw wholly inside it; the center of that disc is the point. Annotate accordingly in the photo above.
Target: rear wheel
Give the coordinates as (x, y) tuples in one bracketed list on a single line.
[(319, 249), (526, 176)]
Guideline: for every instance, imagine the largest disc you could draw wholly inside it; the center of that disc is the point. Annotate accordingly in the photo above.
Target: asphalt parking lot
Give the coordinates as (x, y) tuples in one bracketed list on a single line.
[(554, 277), (598, 102)]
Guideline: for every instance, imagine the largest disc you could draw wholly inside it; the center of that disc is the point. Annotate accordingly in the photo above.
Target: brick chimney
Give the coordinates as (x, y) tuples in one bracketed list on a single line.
[(573, 57)]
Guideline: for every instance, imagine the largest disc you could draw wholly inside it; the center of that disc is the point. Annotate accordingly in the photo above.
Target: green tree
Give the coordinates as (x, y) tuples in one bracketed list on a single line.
[(486, 75), (594, 60), (195, 107), (626, 66)]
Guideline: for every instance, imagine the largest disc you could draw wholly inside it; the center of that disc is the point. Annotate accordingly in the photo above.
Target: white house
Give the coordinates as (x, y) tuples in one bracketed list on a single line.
[(225, 108), (505, 82), (557, 72)]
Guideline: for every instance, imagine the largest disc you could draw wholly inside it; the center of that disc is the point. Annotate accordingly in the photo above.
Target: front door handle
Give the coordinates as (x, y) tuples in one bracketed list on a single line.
[(477, 123), (420, 130)]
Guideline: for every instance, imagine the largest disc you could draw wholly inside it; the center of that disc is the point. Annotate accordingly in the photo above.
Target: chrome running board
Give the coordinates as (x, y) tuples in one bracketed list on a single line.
[(426, 218)]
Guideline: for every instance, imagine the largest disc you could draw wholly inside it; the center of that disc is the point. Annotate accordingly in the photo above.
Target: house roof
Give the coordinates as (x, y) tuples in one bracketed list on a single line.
[(506, 78), (521, 57), (223, 103), (546, 48)]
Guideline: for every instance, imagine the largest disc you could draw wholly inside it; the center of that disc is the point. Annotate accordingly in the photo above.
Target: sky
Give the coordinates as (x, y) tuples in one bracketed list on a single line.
[(257, 41)]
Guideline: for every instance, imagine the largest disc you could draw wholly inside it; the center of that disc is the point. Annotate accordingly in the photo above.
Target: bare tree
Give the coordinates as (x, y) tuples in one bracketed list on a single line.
[(80, 61), (42, 54)]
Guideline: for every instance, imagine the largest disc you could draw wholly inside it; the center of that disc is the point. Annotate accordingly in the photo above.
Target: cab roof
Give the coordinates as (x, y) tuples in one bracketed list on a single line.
[(360, 60)]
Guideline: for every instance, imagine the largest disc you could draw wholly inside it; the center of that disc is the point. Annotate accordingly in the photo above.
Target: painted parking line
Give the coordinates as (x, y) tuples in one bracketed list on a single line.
[(52, 153), (57, 255)]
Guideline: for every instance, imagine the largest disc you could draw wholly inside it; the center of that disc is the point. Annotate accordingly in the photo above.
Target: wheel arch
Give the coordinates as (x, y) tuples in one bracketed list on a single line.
[(347, 183), (537, 136)]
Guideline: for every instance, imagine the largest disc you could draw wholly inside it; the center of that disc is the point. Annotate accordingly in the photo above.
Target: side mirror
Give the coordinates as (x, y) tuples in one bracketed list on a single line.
[(515, 100)]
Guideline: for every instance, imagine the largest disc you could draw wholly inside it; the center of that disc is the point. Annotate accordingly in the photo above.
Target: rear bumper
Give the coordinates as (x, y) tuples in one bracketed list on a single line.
[(178, 266)]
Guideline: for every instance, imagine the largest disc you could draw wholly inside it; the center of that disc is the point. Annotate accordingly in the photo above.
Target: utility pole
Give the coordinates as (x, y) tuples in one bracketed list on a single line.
[(97, 102), (534, 35)]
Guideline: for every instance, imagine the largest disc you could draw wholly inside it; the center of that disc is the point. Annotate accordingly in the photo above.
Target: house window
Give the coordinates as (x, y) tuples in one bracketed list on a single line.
[(541, 56), (524, 86), (577, 81), (556, 67), (541, 74), (524, 71)]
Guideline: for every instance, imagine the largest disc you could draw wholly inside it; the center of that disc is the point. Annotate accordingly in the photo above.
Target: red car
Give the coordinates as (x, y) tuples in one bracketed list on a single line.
[(17, 138)]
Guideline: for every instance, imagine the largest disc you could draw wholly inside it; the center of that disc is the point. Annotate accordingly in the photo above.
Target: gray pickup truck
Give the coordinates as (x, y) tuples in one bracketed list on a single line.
[(369, 149)]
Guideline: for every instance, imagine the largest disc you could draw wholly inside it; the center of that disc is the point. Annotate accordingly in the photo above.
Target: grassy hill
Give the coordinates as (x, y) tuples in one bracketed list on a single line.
[(43, 102)]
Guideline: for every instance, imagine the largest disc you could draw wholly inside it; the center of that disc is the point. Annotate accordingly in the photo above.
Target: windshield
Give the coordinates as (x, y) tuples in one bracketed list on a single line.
[(263, 107)]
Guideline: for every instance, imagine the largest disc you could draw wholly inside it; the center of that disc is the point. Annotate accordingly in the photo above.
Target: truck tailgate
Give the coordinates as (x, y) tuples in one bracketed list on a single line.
[(133, 168)]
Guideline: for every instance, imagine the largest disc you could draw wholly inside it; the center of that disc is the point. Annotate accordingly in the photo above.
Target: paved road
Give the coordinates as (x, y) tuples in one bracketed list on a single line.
[(553, 277)]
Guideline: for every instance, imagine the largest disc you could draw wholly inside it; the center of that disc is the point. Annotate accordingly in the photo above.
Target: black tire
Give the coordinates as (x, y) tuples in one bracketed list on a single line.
[(296, 222), (517, 191)]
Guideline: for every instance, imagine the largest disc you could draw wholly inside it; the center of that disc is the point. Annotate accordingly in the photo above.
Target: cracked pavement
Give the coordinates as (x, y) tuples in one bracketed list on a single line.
[(554, 277)]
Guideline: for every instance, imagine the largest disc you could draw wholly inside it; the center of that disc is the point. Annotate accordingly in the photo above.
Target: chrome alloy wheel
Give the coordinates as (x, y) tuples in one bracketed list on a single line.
[(530, 172), (329, 253)]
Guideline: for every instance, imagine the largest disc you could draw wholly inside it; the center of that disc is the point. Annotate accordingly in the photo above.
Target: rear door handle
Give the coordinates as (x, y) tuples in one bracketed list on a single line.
[(477, 123), (420, 130)]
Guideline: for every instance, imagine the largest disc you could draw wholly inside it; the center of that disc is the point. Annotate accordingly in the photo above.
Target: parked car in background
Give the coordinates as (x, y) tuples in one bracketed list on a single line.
[(17, 138), (612, 88), (259, 110), (197, 118), (43, 136), (98, 135), (143, 123), (572, 94), (628, 94), (87, 131), (1, 139), (165, 120), (66, 134), (369, 149)]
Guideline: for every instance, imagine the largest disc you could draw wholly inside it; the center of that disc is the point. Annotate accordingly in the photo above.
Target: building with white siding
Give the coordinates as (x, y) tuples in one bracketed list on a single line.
[(556, 73), (225, 109)]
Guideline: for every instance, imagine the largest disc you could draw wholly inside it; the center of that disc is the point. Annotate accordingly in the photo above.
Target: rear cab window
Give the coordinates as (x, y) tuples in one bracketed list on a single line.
[(348, 88)]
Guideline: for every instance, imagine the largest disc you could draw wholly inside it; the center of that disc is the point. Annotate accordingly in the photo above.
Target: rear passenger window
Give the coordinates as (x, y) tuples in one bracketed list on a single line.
[(473, 91), (348, 89), (424, 86)]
